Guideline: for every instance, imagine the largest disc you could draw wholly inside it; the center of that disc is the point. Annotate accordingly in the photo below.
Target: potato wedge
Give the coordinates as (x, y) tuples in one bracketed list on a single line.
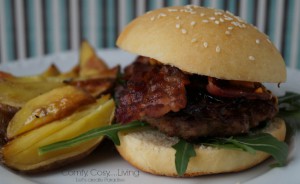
[(73, 73), (5, 75), (16, 93), (110, 73), (104, 83), (48, 107), (22, 152), (90, 64), (51, 71), (95, 87)]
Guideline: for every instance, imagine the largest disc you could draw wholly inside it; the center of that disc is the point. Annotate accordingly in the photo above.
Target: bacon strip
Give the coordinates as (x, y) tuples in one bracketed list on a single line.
[(223, 88), (151, 90)]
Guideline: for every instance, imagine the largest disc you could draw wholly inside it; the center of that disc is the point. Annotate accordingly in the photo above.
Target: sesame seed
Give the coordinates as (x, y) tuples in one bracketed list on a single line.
[(252, 58), (194, 6), (269, 40), (177, 26), (257, 41), (177, 17), (228, 18), (148, 12), (205, 44), (235, 23), (193, 23), (188, 10), (161, 15), (218, 49), (217, 22), (228, 12), (202, 14), (212, 18), (152, 18), (239, 19), (172, 10), (255, 27), (218, 13), (189, 6), (230, 28), (221, 20), (205, 21), (227, 32), (194, 40), (184, 31), (193, 12)]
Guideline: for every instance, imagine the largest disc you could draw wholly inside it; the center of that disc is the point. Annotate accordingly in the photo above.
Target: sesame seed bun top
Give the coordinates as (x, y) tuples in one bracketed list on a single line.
[(205, 41)]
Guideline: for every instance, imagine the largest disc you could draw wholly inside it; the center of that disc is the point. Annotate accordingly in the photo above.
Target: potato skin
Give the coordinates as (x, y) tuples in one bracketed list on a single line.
[(54, 165), (6, 114)]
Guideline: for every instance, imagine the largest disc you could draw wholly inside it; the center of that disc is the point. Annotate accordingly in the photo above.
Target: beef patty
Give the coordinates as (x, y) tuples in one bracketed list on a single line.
[(202, 115)]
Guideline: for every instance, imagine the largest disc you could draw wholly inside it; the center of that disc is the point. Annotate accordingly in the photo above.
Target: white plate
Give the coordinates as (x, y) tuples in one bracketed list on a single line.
[(104, 165)]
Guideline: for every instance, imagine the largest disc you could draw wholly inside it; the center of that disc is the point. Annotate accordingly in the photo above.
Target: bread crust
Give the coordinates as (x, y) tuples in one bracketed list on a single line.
[(205, 41), (151, 151)]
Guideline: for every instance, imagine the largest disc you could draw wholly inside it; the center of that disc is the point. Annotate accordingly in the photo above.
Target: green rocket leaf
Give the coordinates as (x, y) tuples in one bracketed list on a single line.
[(111, 131), (184, 151)]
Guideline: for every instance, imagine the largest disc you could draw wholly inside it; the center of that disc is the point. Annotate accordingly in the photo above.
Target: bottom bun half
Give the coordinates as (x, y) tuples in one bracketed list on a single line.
[(151, 151)]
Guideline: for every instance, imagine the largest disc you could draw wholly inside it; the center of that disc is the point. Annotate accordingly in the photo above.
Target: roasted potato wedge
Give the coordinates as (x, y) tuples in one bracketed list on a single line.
[(111, 73), (91, 66), (48, 107), (5, 75), (16, 93), (22, 153), (51, 71), (95, 87), (73, 73)]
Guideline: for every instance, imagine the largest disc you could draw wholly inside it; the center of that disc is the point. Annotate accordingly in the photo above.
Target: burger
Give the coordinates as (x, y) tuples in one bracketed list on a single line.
[(199, 75)]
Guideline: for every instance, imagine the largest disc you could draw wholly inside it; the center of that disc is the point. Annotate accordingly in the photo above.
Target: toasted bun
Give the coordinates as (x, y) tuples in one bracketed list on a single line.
[(151, 151), (205, 41)]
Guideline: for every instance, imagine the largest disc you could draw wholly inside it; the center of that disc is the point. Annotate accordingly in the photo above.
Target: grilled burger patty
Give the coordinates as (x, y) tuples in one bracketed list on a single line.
[(179, 104)]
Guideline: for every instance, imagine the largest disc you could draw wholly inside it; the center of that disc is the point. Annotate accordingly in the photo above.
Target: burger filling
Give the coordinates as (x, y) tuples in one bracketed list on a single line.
[(189, 105)]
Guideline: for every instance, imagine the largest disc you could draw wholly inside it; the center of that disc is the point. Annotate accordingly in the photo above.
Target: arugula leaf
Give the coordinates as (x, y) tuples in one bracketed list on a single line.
[(184, 151), (120, 78), (289, 105), (251, 143), (267, 143), (111, 131), (289, 109), (289, 97), (240, 145)]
